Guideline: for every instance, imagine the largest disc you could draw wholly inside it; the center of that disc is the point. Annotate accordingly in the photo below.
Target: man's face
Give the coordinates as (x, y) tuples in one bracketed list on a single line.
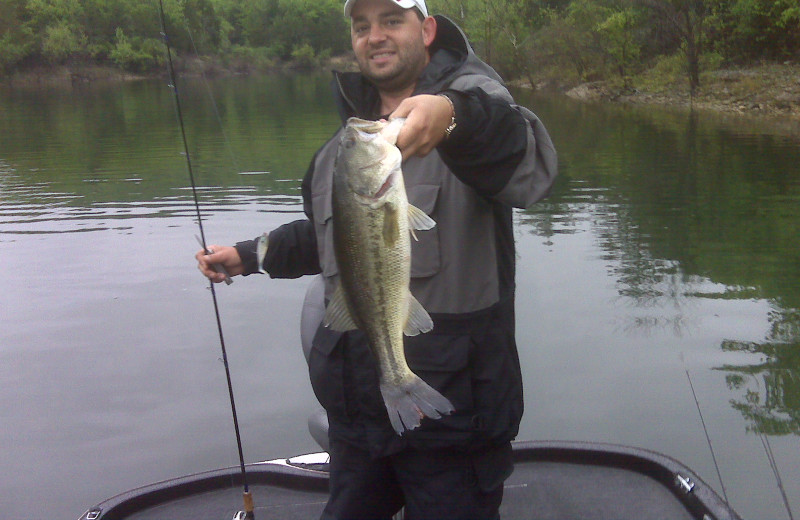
[(390, 43)]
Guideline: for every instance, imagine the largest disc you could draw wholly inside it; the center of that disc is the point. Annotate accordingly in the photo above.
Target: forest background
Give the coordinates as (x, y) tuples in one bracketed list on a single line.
[(624, 44)]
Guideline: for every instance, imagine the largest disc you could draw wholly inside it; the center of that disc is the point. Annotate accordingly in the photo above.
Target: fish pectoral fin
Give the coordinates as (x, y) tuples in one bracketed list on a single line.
[(417, 219), (337, 315), (418, 318), (391, 228)]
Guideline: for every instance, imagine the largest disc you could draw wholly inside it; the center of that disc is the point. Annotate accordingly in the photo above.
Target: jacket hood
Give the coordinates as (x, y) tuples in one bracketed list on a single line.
[(451, 57)]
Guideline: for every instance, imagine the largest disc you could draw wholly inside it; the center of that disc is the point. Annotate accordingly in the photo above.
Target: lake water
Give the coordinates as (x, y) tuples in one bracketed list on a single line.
[(668, 248)]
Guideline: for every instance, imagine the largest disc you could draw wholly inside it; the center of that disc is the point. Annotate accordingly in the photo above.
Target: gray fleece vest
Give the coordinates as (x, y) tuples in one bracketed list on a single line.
[(454, 265)]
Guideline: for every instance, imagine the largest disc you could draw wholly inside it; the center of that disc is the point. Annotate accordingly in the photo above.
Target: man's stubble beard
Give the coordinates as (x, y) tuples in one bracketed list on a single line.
[(405, 72)]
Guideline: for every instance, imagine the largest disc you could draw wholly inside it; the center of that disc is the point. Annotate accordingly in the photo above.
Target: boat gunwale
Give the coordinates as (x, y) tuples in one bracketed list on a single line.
[(276, 472), (701, 501)]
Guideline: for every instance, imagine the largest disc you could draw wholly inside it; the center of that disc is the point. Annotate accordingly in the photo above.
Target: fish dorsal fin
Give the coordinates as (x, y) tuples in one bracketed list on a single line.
[(417, 219), (418, 318), (337, 315)]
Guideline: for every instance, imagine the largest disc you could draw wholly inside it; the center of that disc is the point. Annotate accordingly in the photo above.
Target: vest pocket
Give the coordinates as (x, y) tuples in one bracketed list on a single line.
[(425, 255), (442, 361)]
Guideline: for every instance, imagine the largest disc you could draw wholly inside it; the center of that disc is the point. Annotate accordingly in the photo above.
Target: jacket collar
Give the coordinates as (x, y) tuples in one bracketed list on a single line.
[(450, 51)]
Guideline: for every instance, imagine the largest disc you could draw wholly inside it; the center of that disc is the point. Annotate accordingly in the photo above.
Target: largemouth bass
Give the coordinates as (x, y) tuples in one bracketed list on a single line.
[(372, 224)]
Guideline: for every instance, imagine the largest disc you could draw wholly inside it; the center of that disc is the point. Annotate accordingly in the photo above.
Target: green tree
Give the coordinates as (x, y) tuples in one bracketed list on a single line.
[(202, 24), (99, 20), (320, 24), (62, 41), (687, 19), (517, 22), (255, 21), (136, 54), (618, 31), (229, 13), (572, 39), (752, 29), (17, 40), (501, 31), (590, 38), (477, 18)]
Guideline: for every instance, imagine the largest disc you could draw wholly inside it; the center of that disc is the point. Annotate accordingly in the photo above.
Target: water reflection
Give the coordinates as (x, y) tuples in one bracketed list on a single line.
[(681, 232), (79, 160), (686, 210), (768, 393)]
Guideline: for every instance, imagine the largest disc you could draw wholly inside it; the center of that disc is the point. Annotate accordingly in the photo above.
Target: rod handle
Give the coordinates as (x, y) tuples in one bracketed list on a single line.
[(217, 267), (248, 505)]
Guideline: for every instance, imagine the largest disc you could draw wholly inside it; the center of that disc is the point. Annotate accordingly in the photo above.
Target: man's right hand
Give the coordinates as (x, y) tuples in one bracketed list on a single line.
[(427, 117), (225, 256)]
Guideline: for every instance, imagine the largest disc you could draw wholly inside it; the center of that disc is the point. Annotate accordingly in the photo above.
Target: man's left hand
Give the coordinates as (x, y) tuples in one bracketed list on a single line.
[(427, 118)]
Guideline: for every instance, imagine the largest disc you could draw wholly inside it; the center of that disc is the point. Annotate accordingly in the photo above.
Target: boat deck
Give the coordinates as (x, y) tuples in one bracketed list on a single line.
[(550, 481)]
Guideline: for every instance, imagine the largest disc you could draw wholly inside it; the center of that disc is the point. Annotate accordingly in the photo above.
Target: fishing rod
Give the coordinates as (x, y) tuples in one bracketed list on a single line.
[(773, 463), (705, 429), (247, 496), (764, 442), (708, 438)]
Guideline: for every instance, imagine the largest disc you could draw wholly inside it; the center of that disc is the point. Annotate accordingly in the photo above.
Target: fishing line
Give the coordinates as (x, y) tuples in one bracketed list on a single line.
[(247, 497), (774, 466), (225, 139)]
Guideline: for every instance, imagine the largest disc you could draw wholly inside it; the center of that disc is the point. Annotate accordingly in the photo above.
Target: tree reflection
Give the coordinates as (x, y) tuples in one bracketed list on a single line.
[(687, 209), (770, 390)]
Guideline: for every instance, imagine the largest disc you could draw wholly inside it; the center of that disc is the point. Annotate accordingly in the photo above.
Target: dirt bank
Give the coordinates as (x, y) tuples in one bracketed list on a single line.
[(765, 90), (66, 75)]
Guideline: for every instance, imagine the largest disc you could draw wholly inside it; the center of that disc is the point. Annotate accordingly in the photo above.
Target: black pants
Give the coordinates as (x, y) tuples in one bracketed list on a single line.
[(438, 485)]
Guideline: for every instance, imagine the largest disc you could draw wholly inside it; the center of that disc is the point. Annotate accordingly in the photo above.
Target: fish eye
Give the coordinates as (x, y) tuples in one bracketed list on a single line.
[(349, 143)]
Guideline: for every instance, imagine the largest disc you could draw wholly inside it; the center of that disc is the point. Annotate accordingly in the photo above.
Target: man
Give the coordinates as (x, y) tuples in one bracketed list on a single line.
[(470, 155)]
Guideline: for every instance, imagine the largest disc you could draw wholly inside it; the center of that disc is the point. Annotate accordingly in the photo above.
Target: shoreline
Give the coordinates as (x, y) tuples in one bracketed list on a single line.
[(782, 101), (764, 91), (67, 75)]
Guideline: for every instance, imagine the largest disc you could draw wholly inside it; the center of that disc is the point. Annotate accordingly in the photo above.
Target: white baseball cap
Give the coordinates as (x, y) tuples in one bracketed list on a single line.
[(405, 4)]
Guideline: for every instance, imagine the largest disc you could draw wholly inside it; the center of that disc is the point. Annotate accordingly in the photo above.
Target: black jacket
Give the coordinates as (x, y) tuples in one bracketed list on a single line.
[(499, 156)]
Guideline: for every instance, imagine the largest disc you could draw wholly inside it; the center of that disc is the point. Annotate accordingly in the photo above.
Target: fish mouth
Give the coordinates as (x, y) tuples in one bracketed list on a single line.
[(365, 129), (365, 135)]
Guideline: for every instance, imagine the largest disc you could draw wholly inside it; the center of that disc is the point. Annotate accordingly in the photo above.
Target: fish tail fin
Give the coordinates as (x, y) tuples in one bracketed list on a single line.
[(412, 400)]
